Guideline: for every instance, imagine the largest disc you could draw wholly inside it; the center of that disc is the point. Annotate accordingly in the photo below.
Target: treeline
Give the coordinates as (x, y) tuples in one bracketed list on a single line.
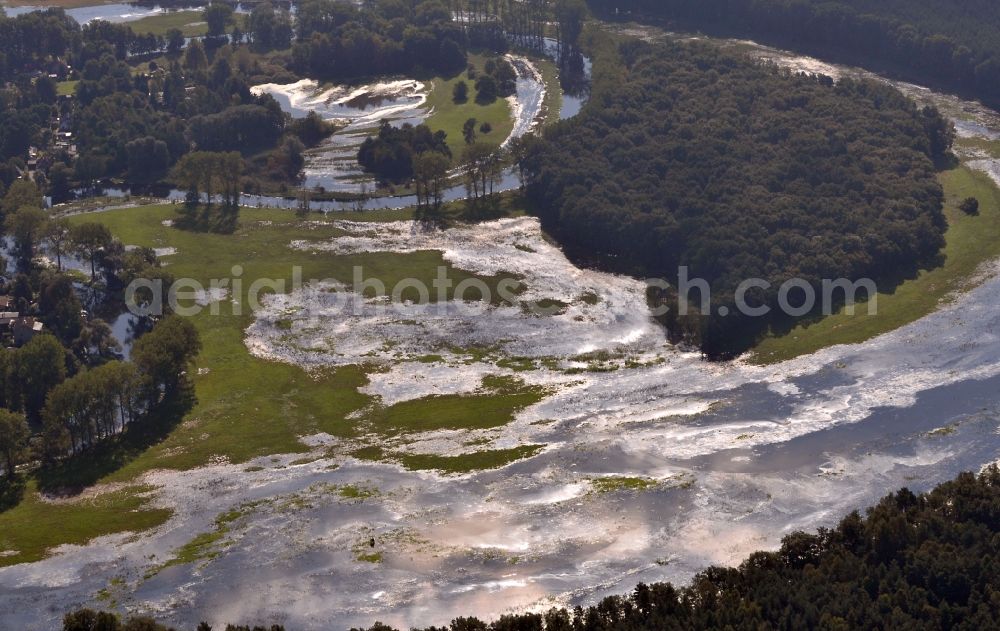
[(342, 40), (495, 24), (97, 404), (140, 126), (925, 561), (90, 620), (692, 156), (211, 173), (951, 43), (76, 406)]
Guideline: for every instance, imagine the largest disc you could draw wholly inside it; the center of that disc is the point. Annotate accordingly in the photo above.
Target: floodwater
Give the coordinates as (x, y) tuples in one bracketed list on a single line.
[(125, 326), (735, 456), (359, 110), (115, 13)]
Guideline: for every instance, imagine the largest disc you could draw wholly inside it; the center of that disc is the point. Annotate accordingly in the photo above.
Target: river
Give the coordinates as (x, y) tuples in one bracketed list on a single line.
[(739, 455)]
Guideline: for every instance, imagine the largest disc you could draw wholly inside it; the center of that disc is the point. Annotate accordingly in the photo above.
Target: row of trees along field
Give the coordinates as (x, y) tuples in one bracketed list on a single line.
[(494, 23), (925, 561), (56, 407), (692, 156), (951, 43), (341, 40)]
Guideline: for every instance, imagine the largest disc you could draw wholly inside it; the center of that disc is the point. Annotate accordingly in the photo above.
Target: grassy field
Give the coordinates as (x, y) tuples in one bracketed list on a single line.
[(30, 529), (449, 116), (971, 240), (190, 23), (493, 407), (66, 88), (553, 91), (464, 463), (247, 407), (988, 147)]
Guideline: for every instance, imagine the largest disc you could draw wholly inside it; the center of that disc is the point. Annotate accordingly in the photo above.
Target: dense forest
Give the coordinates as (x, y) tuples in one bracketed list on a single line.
[(925, 561), (692, 156), (951, 43), (342, 40)]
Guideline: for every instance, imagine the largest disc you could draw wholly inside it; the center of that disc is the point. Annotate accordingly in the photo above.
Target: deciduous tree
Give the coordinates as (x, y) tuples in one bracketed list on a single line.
[(14, 435)]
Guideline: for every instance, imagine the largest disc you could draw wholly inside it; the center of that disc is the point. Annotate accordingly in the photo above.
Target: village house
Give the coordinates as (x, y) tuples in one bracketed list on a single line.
[(15, 328)]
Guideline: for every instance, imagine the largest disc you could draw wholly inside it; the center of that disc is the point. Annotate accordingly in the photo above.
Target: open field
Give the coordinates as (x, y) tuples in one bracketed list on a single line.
[(66, 88), (488, 459), (190, 23), (29, 530), (249, 407), (971, 241), (449, 116)]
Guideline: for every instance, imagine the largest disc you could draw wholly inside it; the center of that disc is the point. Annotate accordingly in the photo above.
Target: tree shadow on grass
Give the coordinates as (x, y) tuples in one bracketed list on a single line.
[(71, 476), (886, 284), (947, 162), (214, 219)]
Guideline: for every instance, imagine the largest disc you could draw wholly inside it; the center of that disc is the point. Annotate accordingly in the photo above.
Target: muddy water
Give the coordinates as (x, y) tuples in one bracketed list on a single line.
[(738, 455)]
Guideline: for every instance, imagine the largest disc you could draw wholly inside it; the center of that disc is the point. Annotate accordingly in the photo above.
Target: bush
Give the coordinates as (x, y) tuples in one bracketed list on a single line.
[(460, 94), (969, 206), (486, 90)]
